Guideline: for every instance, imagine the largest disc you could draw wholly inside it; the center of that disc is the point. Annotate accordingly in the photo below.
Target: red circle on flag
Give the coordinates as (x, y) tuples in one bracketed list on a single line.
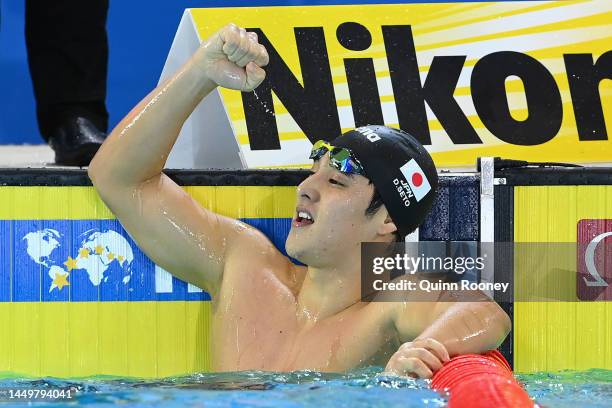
[(417, 179)]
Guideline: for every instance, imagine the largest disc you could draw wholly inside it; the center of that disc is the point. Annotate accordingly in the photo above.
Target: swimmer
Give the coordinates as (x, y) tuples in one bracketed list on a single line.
[(268, 313)]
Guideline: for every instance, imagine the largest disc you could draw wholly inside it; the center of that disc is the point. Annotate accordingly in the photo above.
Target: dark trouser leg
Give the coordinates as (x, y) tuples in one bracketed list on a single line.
[(68, 56)]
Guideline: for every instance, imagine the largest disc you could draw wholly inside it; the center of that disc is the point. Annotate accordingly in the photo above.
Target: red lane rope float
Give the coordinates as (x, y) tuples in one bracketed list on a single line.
[(480, 381)]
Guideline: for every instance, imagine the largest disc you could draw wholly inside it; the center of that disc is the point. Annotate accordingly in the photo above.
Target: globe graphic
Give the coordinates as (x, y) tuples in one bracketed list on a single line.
[(98, 250)]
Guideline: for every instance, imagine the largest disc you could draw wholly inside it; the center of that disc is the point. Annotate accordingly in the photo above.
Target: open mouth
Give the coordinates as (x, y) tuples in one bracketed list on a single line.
[(302, 219)]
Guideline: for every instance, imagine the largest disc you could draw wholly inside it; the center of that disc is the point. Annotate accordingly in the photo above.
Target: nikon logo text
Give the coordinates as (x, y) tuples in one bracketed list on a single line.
[(311, 101)]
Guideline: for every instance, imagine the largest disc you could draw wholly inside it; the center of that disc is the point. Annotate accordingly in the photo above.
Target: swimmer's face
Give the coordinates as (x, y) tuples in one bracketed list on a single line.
[(337, 203)]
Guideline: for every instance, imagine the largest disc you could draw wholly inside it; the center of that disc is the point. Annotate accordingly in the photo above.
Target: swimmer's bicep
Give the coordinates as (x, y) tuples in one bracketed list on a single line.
[(411, 319), (454, 322), (174, 230)]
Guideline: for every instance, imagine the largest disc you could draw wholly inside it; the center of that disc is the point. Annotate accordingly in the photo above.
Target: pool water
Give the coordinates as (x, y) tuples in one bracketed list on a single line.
[(570, 389), (359, 388)]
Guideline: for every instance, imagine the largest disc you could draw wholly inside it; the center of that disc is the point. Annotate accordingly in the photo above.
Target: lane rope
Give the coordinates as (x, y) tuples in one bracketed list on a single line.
[(480, 381)]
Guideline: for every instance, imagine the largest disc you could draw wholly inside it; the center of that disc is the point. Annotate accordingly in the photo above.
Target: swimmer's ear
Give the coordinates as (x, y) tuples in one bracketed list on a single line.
[(387, 227)]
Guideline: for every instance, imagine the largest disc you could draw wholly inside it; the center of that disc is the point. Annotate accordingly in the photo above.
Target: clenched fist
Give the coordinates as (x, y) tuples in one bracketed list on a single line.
[(232, 58), (419, 358)]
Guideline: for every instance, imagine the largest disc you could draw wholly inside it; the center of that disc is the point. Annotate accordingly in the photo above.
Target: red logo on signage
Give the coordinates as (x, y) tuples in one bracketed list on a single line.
[(594, 277)]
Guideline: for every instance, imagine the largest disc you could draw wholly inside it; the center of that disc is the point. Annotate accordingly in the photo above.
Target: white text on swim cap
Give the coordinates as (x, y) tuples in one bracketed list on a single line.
[(368, 133), (404, 190)]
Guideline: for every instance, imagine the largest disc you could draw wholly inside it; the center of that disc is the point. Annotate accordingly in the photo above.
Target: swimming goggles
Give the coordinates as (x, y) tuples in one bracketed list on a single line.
[(340, 158)]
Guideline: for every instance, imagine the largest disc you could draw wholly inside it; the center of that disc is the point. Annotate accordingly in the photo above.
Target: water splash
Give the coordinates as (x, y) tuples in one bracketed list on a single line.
[(264, 104), (359, 388)]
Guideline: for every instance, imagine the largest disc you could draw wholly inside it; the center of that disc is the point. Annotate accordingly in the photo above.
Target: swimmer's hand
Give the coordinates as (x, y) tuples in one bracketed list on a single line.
[(232, 58), (419, 358)]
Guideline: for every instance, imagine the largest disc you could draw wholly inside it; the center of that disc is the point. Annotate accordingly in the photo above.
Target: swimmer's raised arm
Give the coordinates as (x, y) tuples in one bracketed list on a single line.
[(170, 227)]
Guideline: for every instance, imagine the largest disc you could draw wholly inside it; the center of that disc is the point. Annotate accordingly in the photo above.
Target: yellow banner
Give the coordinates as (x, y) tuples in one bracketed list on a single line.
[(561, 335), (523, 80)]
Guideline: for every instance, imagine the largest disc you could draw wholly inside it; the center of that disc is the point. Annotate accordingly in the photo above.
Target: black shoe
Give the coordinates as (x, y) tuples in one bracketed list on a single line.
[(75, 141)]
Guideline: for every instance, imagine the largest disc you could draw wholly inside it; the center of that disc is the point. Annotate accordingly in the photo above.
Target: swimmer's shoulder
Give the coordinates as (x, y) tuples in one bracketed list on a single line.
[(255, 253)]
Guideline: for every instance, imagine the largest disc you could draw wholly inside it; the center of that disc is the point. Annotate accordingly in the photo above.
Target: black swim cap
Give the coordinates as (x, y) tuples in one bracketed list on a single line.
[(400, 168)]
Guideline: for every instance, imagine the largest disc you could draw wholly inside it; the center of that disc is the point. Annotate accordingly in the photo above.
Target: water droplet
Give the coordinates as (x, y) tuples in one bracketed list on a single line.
[(263, 103)]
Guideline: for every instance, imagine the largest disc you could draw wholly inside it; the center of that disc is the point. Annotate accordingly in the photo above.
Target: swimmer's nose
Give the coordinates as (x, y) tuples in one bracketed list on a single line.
[(307, 190)]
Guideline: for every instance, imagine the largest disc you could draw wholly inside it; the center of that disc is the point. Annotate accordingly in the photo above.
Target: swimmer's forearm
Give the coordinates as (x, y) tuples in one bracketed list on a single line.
[(469, 327), (137, 149)]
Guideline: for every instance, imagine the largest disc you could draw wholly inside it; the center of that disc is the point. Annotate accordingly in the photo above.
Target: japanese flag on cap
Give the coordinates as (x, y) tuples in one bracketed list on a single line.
[(416, 179)]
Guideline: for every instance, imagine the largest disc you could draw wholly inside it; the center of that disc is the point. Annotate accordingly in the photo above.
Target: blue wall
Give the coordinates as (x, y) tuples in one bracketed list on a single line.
[(138, 49)]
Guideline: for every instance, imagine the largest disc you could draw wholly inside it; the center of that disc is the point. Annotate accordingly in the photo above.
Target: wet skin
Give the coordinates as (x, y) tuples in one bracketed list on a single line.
[(269, 314), (264, 315)]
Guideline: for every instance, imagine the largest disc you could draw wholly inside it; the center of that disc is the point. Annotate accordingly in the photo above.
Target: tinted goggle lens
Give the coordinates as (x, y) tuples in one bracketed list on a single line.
[(340, 158)]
